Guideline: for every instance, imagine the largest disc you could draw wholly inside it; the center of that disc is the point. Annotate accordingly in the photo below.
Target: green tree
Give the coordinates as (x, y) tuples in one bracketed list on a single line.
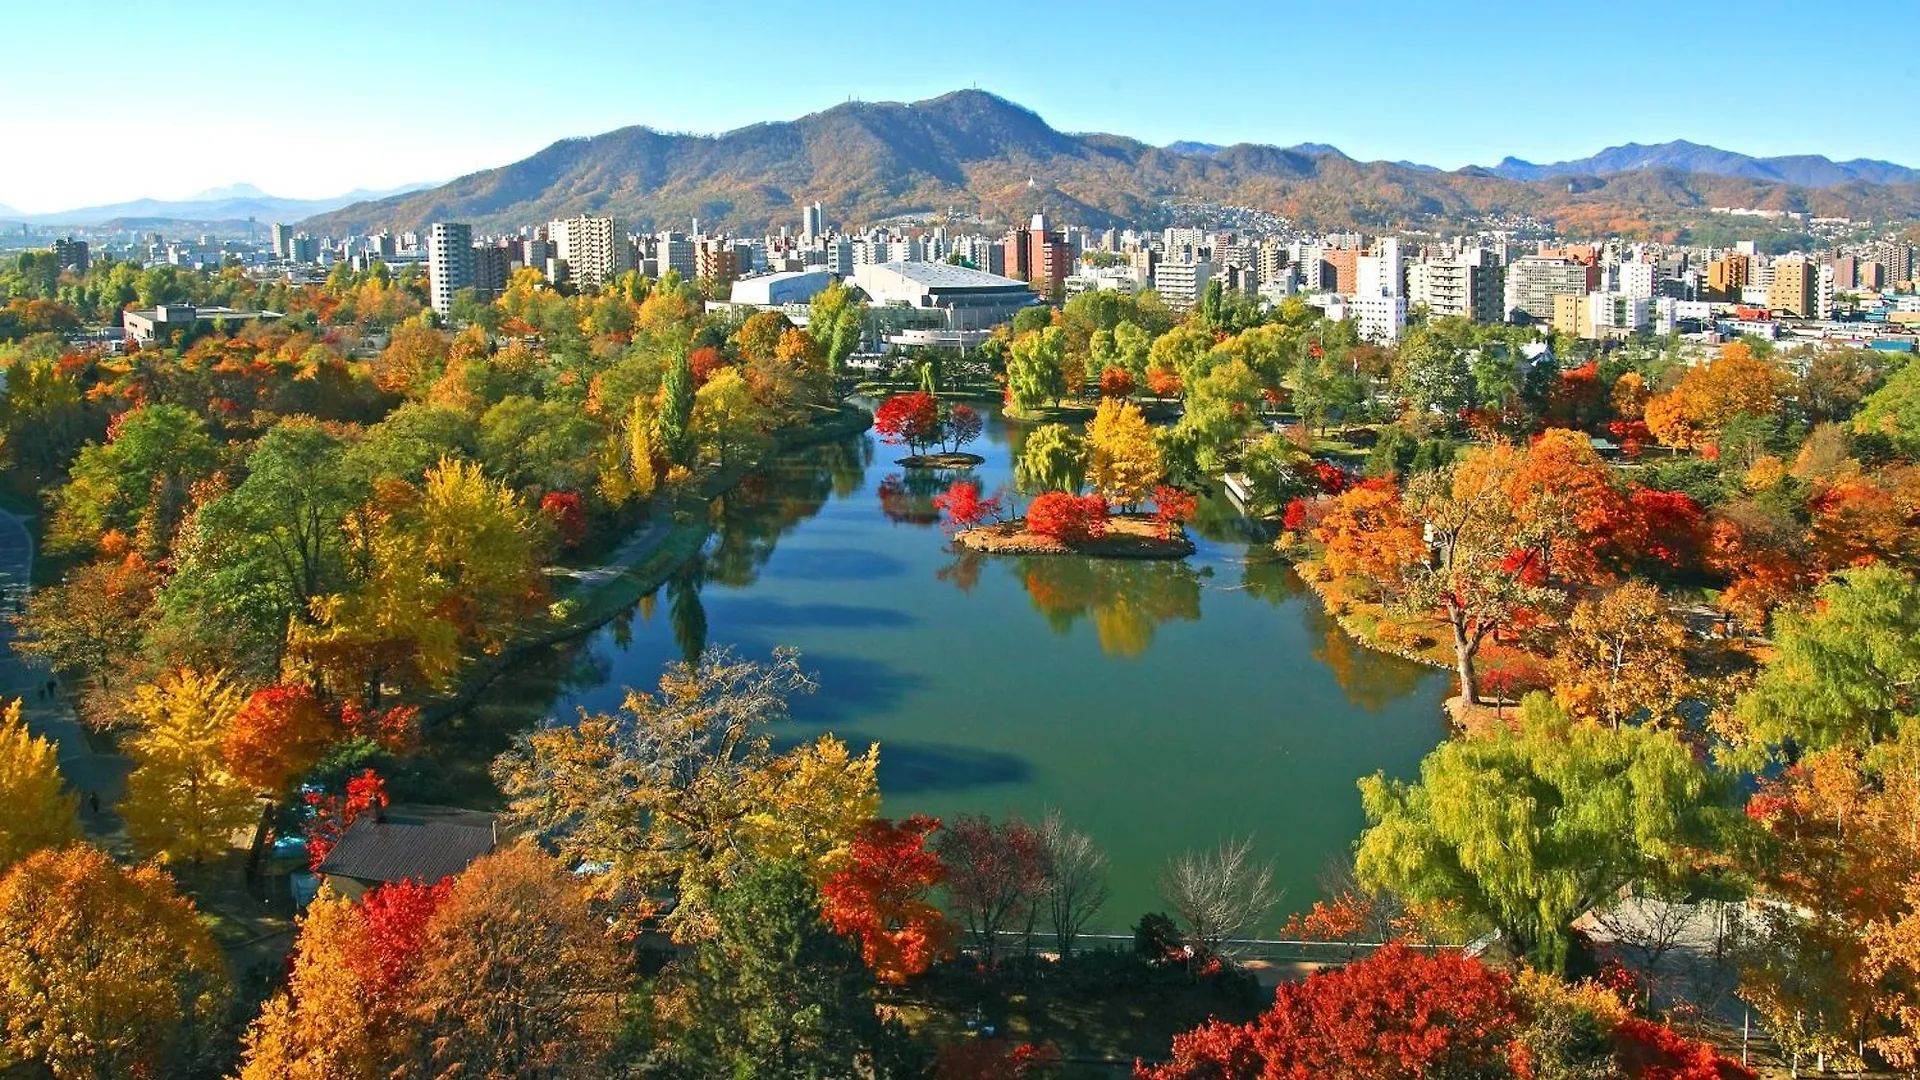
[(1054, 458), (837, 319), (138, 482), (1220, 412), (1845, 674), (1433, 375), (777, 993), (1528, 828), (1894, 410), (675, 419), (251, 560), (1036, 367)]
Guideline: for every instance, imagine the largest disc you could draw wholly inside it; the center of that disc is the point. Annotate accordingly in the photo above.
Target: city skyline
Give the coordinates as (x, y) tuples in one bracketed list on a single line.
[(344, 103)]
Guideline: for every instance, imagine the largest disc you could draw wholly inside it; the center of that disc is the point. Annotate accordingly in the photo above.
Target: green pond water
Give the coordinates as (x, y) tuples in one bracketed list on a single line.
[(1160, 706)]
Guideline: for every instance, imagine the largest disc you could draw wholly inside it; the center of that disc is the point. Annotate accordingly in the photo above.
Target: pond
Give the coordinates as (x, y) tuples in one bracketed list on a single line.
[(1160, 706)]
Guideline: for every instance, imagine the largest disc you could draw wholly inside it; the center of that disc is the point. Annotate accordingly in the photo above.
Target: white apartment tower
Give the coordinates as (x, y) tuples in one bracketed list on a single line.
[(450, 265), (594, 249)]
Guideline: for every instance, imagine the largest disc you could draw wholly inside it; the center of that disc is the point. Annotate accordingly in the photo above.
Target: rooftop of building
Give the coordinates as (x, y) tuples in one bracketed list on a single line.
[(421, 843), (933, 275)]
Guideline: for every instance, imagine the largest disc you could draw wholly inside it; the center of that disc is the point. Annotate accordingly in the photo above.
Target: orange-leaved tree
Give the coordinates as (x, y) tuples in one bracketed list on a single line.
[(881, 897), (1736, 382)]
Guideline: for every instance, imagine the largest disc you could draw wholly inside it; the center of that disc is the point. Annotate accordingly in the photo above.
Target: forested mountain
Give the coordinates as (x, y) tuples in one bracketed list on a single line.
[(974, 153), (1803, 170)]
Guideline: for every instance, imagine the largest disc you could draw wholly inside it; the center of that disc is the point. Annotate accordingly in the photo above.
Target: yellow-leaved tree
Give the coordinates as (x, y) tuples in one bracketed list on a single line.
[(726, 419), (1123, 462), (323, 1027), (182, 803), (451, 565), (1622, 653), (105, 971), (34, 804), (681, 788)]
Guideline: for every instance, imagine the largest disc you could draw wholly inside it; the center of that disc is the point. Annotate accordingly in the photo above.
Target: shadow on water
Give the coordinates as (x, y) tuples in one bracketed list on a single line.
[(735, 609), (917, 767), (850, 686), (840, 564)]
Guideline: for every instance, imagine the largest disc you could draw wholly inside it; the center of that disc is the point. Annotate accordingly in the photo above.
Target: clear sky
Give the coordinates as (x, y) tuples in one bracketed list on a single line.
[(108, 101)]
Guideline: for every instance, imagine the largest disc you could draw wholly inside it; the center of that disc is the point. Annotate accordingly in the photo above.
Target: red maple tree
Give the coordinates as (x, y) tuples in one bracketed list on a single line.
[(910, 419), (564, 510), (1070, 519), (396, 928), (332, 814), (880, 897), (1172, 507), (964, 506)]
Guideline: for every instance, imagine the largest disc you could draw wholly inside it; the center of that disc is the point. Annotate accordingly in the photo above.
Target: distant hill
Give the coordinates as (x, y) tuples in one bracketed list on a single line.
[(236, 202), (974, 153), (1801, 170)]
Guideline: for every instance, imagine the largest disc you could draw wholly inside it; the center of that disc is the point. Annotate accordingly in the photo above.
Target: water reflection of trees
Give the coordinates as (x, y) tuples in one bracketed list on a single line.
[(750, 519), (1371, 680), (906, 498), (1125, 599)]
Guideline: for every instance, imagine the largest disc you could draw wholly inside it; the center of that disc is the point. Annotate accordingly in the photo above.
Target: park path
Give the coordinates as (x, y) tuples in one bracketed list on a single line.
[(87, 771)]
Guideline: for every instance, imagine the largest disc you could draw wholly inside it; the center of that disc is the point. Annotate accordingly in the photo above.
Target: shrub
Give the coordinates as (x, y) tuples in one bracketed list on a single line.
[(1070, 519)]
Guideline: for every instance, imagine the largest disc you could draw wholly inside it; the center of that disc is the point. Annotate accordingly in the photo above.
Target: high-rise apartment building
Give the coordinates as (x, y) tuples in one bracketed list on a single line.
[(491, 263), (1846, 272), (1345, 262), (1793, 289), (1637, 279), (1533, 281), (71, 254), (1470, 285), (1039, 256), (1897, 257), (716, 261), (1181, 283), (282, 232), (594, 248), (812, 222), (1726, 276), (673, 252), (450, 263)]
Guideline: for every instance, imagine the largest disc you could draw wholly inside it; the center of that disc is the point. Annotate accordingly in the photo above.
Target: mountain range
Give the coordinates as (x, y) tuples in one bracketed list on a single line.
[(236, 202), (972, 153), (1803, 170)]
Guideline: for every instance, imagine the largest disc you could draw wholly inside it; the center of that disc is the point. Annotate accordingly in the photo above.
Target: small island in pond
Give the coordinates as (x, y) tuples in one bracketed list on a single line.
[(952, 459), (1126, 536)]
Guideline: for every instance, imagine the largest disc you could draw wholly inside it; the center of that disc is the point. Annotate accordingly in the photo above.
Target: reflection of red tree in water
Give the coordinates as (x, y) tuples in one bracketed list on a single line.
[(963, 572), (903, 506)]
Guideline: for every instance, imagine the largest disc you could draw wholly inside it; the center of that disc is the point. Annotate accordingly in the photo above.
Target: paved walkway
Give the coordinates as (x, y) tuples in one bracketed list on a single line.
[(26, 678)]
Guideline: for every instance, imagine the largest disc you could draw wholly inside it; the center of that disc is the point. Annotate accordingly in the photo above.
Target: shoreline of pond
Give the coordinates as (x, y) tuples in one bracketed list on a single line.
[(686, 530)]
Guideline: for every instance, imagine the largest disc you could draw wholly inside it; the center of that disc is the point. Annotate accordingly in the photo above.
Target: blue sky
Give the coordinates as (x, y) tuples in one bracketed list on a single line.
[(310, 100)]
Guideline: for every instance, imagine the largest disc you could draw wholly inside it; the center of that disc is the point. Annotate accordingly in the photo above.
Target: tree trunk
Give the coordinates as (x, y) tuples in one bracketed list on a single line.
[(1463, 663)]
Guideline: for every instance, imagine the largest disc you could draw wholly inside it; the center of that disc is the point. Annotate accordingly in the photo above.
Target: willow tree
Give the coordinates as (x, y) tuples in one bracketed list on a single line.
[(1528, 828)]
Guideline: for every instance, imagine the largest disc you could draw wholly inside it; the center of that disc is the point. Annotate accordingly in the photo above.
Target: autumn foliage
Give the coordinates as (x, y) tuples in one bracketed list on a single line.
[(332, 814), (1172, 508), (912, 419), (965, 507), (881, 897), (1694, 413), (1070, 519), (1403, 1014)]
